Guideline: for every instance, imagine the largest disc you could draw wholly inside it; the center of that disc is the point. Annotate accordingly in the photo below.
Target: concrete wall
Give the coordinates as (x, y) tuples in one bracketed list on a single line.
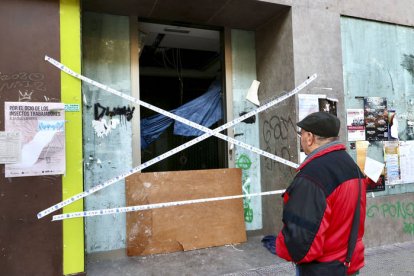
[(374, 62), (397, 12), (391, 11), (275, 70), (317, 49), (390, 219)]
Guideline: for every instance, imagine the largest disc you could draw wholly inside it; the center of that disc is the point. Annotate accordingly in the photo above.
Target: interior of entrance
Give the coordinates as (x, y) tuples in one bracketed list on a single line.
[(177, 65)]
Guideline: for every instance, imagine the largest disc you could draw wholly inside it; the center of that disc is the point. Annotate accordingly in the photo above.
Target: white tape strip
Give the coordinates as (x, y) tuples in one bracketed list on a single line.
[(155, 206), (183, 120), (175, 150)]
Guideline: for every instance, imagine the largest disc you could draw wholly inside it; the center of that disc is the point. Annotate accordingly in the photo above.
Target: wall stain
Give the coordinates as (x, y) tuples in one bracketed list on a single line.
[(408, 64)]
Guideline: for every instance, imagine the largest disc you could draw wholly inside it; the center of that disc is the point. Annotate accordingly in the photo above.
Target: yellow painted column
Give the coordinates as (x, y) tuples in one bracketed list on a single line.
[(70, 54)]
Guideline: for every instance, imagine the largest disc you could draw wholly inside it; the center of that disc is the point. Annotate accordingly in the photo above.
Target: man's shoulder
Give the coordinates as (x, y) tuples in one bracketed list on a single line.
[(330, 170)]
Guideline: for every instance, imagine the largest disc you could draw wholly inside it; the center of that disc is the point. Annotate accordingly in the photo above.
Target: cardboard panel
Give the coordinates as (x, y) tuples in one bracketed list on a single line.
[(185, 227)]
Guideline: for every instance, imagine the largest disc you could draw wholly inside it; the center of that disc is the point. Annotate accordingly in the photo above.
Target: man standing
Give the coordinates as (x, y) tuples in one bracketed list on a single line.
[(319, 205)]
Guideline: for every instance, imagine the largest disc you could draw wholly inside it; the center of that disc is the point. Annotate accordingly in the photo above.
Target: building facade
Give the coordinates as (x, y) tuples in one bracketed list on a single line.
[(168, 53)]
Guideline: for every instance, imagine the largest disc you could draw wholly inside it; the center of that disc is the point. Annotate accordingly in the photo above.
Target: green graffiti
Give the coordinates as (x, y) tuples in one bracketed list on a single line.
[(248, 214), (243, 162), (408, 228), (398, 210)]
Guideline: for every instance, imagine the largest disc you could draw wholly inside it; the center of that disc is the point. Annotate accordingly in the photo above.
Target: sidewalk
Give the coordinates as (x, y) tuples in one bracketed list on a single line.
[(249, 258), (397, 259)]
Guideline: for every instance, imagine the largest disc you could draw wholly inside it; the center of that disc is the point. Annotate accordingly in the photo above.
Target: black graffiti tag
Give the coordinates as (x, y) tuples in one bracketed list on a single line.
[(100, 111), (276, 132)]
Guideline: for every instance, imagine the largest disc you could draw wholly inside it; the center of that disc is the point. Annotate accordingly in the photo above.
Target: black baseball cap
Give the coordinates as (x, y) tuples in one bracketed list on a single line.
[(321, 123)]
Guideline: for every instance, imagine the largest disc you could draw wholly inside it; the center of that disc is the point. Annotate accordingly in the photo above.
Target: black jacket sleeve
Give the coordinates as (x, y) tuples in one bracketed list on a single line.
[(302, 215)]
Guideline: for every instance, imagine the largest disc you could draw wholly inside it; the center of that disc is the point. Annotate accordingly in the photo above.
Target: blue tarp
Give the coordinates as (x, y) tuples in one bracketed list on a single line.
[(204, 110)]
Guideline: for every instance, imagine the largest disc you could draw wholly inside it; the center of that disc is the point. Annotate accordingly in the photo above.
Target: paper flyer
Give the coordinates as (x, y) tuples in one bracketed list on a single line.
[(10, 147), (355, 124), (392, 162), (308, 103), (361, 153), (407, 161), (42, 129)]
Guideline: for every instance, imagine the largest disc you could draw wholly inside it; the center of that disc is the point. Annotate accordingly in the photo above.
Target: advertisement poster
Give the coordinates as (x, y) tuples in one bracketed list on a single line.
[(376, 186), (42, 130), (355, 124), (392, 162), (376, 118)]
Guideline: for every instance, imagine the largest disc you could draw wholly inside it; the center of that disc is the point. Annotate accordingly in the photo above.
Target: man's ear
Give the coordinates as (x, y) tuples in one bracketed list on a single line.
[(310, 139)]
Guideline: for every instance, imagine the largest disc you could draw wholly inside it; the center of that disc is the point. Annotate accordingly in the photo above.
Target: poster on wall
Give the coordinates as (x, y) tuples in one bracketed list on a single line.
[(10, 147), (355, 124), (392, 162), (407, 161), (308, 103), (376, 118), (361, 157), (328, 105), (42, 130), (376, 186)]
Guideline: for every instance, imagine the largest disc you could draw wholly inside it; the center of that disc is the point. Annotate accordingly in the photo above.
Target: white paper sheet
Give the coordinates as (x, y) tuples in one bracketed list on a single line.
[(308, 103), (407, 161), (10, 146), (373, 169)]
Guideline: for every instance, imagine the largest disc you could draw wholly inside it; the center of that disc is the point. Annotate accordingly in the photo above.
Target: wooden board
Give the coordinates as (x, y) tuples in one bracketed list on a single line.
[(185, 227)]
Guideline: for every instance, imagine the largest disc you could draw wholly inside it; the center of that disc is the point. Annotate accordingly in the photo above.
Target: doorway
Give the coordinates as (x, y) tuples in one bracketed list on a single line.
[(181, 71)]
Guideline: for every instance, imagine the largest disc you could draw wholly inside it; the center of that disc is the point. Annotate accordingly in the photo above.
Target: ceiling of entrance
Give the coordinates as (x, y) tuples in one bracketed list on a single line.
[(237, 14)]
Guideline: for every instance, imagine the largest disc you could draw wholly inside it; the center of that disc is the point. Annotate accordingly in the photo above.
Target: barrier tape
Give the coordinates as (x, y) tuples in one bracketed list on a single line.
[(177, 149), (214, 132), (155, 206)]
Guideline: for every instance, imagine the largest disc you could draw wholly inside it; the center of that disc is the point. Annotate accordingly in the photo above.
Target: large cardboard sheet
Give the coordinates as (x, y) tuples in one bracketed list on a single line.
[(187, 227)]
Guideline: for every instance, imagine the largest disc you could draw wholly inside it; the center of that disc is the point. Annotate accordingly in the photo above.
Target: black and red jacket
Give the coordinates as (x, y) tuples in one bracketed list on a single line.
[(319, 207)]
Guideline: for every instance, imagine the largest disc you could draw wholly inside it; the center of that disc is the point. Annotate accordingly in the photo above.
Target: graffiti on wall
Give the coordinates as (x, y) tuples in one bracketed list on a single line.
[(400, 210), (244, 163), (124, 111), (24, 83), (276, 131), (102, 126)]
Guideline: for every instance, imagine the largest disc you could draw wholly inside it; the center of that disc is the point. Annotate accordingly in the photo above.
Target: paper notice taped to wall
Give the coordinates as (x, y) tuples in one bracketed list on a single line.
[(42, 128)]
